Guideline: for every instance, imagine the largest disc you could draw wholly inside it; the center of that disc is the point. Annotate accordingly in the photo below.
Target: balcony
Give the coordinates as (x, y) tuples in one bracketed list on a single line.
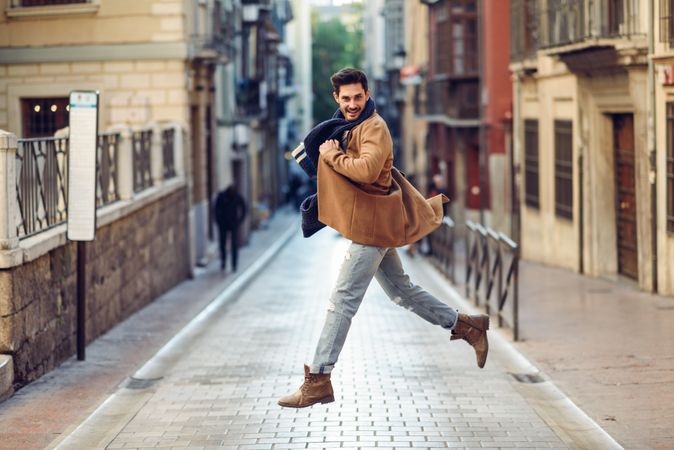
[(524, 25), (212, 36), (453, 102), (250, 96), (572, 25)]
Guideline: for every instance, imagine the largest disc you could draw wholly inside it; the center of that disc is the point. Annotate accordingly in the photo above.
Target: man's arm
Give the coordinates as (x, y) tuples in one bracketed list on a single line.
[(374, 149)]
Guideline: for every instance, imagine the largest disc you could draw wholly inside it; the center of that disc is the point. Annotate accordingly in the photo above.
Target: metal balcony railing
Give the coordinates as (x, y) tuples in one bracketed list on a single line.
[(453, 99), (524, 25), (566, 22), (667, 22)]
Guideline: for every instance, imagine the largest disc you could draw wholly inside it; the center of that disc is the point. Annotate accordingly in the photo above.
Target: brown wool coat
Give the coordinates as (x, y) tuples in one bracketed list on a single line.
[(363, 197)]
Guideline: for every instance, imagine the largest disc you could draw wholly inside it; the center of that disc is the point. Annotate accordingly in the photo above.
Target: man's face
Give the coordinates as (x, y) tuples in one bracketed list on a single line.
[(351, 100)]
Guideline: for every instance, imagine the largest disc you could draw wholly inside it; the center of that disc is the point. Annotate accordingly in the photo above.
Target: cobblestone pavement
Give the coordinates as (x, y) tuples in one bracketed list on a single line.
[(60, 400), (399, 383)]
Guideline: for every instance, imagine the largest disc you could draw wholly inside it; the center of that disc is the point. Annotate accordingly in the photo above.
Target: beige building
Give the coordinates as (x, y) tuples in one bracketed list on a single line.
[(414, 126), (150, 60), (590, 132)]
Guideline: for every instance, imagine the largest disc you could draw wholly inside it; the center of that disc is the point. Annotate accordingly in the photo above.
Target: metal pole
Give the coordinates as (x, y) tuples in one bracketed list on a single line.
[(482, 155), (516, 301), (652, 147), (81, 299)]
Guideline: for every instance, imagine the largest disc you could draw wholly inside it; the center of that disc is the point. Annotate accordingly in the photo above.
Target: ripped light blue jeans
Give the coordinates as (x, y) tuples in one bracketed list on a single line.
[(361, 263)]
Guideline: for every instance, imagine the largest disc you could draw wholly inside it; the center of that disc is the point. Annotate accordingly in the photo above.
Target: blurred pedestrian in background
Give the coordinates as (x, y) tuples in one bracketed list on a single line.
[(230, 211)]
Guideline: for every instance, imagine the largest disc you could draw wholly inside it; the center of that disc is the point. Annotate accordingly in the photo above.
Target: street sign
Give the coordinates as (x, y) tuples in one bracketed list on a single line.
[(82, 165)]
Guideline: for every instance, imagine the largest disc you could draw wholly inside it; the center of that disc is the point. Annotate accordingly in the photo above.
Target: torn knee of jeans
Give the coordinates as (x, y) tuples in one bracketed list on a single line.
[(400, 302), (348, 255), (331, 306)]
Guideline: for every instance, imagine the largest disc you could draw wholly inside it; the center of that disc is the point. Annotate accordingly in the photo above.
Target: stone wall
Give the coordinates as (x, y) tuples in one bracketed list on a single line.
[(131, 262)]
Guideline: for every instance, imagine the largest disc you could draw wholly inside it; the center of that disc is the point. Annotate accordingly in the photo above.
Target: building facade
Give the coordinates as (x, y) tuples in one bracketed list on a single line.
[(192, 98), (591, 133), (467, 106)]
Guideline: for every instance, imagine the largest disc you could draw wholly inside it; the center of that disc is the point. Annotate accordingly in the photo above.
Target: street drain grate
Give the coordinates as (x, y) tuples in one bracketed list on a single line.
[(529, 378), (138, 383)]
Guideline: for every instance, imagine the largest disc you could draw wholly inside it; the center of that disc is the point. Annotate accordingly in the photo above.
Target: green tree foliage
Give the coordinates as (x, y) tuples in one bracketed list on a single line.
[(335, 46)]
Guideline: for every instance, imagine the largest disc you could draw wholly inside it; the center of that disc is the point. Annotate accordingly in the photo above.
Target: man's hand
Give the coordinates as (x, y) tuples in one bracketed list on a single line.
[(326, 146)]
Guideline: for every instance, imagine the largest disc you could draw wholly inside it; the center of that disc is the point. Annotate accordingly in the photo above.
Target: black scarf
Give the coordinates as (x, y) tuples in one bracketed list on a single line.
[(306, 154)]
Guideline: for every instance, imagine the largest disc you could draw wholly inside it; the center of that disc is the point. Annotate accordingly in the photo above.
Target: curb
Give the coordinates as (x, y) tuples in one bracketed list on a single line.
[(102, 425), (571, 424), (6, 376)]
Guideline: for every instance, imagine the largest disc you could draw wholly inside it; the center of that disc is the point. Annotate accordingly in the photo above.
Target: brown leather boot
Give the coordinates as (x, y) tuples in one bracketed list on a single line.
[(315, 389), (473, 329)]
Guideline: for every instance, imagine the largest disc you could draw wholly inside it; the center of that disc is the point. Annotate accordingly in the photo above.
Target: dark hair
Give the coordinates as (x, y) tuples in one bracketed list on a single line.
[(348, 75)]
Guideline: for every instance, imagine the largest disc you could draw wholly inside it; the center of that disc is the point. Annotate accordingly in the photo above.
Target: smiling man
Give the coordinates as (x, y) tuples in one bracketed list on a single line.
[(355, 181)]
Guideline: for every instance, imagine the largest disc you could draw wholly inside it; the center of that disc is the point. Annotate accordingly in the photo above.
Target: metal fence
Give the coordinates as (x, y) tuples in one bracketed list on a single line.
[(489, 254), (107, 168), (41, 183), (141, 142), (42, 174), (167, 145), (442, 252), (570, 21)]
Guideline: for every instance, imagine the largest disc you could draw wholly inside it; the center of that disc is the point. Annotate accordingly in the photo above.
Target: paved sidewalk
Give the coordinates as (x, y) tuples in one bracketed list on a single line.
[(56, 403), (608, 346), (400, 383), (605, 344)]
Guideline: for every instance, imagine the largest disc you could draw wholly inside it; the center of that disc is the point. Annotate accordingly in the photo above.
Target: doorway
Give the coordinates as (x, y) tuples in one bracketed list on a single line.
[(625, 204)]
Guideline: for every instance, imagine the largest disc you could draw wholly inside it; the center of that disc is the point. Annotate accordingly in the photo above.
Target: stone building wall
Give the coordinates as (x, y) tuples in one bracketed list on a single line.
[(131, 262)]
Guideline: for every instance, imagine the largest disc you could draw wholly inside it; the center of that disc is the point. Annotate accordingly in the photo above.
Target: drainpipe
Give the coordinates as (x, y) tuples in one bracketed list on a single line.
[(482, 155), (652, 146)]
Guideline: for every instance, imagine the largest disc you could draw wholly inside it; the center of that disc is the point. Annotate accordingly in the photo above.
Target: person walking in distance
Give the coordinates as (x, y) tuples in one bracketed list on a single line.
[(230, 211), (372, 220)]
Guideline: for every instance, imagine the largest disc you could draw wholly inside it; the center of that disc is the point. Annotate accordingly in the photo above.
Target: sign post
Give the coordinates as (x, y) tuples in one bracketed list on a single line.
[(83, 123)]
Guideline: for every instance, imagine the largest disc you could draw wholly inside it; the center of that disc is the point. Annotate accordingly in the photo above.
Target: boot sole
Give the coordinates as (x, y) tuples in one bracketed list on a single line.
[(328, 399)]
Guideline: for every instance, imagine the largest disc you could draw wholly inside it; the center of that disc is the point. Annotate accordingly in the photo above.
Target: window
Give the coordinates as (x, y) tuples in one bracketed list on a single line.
[(456, 44), (670, 167), (667, 22), (564, 169), (531, 171), (42, 117)]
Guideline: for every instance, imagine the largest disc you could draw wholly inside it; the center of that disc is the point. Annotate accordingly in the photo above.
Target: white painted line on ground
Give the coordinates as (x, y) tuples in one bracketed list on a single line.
[(101, 427)]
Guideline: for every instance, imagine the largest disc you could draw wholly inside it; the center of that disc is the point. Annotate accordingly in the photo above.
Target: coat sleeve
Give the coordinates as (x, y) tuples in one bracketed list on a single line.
[(375, 147)]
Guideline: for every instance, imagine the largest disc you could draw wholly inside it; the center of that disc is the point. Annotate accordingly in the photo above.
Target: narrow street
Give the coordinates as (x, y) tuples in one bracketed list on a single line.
[(399, 383)]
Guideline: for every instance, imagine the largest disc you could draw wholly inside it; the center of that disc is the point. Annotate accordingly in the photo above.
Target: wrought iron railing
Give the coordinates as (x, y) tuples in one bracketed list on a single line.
[(42, 174), (524, 29), (667, 22), (442, 248), (571, 21), (41, 184), (107, 168), (457, 99), (489, 253), (141, 142), (167, 145)]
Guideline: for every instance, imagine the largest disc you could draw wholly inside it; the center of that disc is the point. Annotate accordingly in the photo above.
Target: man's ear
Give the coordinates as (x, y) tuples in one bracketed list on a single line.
[(336, 96)]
